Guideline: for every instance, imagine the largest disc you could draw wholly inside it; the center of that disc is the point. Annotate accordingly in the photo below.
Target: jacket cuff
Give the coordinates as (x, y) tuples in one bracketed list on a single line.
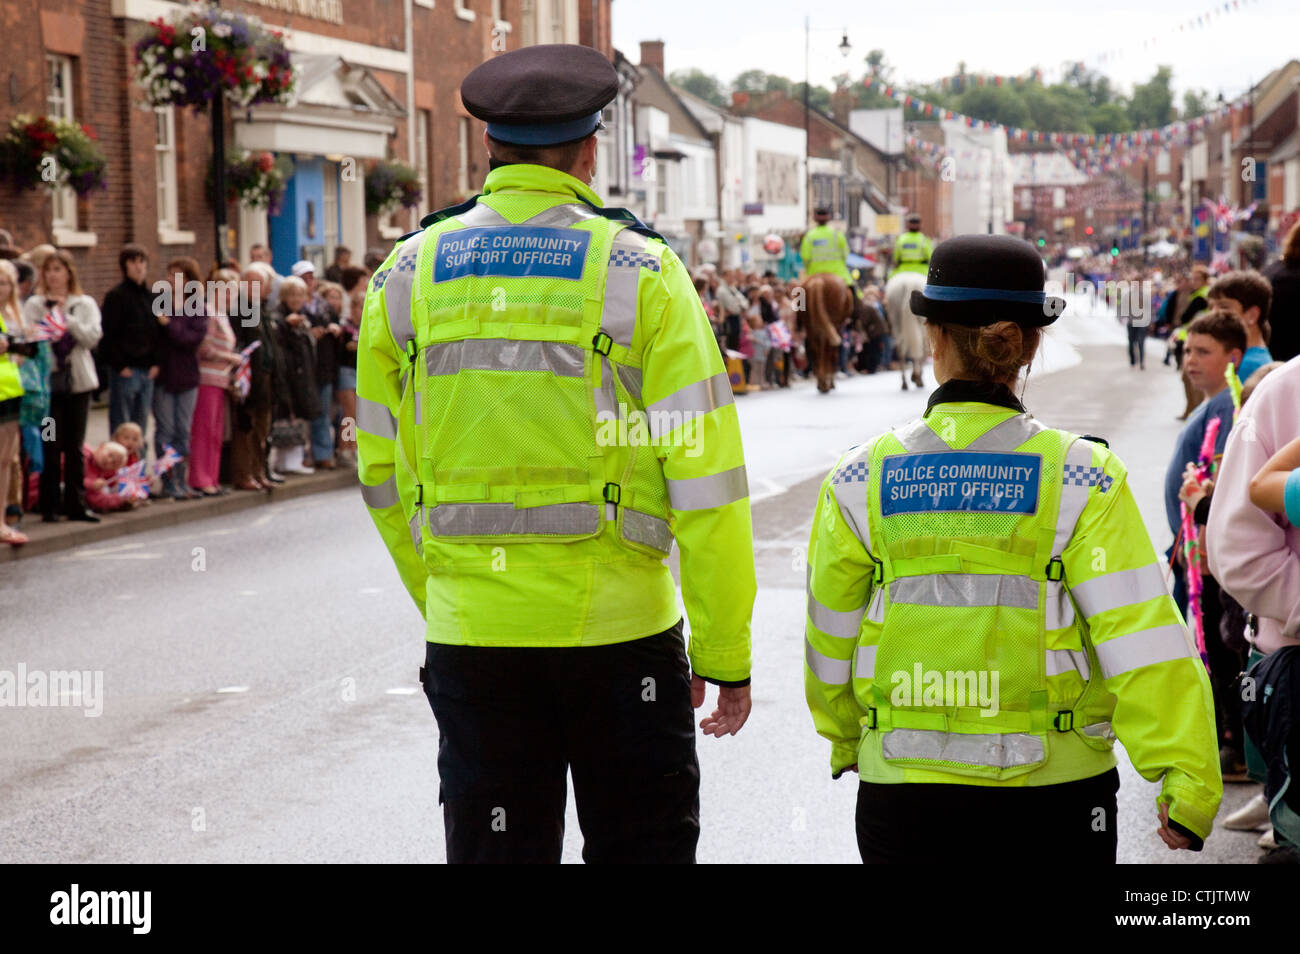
[(1197, 841), (843, 755), (1188, 810), (725, 683)]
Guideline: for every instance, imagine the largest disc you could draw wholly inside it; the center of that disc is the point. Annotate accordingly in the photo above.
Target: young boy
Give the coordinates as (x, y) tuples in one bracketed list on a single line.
[(1213, 340), (1247, 296)]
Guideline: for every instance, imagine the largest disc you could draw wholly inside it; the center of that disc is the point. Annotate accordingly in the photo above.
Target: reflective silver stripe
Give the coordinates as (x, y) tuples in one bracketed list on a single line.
[(1073, 497), (999, 751), (669, 413), (397, 290), (833, 672), (380, 496), (1008, 435), (1060, 611), (865, 663), (1143, 648), (648, 530), (1101, 730), (482, 215), (715, 490), (618, 311), (851, 495), (631, 378), (843, 624), (917, 438), (1122, 588), (560, 215), (965, 589), (414, 524), (500, 519), (1067, 660), (606, 399), (503, 354), (375, 419), (876, 611)]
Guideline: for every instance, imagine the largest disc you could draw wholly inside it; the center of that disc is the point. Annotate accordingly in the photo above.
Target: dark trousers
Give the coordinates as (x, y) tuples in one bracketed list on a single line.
[(513, 720), (1226, 665), (69, 412), (1137, 343), (920, 823)]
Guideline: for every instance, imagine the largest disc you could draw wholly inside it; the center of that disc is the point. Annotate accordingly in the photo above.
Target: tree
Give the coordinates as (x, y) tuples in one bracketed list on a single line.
[(1195, 103), (704, 85), (1153, 101), (995, 104)]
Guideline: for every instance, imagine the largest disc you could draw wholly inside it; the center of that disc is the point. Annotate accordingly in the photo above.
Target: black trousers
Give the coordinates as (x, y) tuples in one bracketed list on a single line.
[(1226, 666), (513, 720), (922, 823), (69, 412)]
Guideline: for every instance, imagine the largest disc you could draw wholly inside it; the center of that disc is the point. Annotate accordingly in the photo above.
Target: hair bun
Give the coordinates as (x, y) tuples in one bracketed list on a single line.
[(1001, 345)]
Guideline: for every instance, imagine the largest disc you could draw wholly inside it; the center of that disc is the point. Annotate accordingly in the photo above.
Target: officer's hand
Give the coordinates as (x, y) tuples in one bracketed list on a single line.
[(732, 712), (1173, 839)]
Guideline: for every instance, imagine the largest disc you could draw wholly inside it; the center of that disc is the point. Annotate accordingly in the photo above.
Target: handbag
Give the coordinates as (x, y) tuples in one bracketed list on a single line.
[(286, 432)]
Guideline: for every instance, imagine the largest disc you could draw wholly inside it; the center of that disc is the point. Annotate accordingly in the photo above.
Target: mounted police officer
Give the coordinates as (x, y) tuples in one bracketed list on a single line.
[(986, 613), (542, 412), (824, 248), (912, 248)]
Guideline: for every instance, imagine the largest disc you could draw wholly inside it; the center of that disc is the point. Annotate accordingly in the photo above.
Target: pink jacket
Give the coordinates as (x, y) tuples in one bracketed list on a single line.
[(1254, 555)]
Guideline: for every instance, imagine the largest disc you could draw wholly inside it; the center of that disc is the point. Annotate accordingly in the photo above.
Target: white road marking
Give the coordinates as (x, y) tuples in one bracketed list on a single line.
[(402, 691), (231, 689)]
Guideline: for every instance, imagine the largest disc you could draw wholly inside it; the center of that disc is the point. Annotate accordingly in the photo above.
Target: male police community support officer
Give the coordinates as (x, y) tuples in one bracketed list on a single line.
[(542, 410), (912, 248), (824, 248)]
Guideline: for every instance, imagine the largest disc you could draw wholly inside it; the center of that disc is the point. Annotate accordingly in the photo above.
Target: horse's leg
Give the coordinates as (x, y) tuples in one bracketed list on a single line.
[(917, 379)]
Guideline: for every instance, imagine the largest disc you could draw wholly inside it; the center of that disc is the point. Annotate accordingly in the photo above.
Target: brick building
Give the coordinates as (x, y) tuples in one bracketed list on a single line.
[(377, 79)]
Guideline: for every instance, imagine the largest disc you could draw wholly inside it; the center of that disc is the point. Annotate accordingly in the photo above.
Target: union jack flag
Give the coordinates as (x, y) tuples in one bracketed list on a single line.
[(780, 335), (133, 480), (244, 373), (167, 461), (52, 326)]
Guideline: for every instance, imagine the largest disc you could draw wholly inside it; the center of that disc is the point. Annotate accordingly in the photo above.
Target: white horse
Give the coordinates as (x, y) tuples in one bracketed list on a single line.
[(909, 335)]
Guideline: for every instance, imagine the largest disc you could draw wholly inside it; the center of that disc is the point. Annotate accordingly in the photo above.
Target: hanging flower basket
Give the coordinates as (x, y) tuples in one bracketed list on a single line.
[(38, 150), (254, 179), (208, 52), (391, 185)]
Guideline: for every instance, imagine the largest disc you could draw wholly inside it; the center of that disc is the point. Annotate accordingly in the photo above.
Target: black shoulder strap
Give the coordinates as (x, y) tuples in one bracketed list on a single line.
[(450, 212), (625, 215)]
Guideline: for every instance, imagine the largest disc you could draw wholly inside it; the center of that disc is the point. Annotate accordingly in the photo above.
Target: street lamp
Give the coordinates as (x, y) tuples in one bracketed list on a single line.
[(844, 44)]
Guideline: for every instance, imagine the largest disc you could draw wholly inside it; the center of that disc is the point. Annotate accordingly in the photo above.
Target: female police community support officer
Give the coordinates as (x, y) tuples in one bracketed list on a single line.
[(986, 612)]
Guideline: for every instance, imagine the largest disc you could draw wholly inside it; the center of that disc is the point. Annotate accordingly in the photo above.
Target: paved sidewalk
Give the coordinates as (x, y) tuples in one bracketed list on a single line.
[(165, 512)]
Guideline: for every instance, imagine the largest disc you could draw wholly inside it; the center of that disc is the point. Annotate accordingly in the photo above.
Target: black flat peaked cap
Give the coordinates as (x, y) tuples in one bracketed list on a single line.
[(535, 93), (981, 279)]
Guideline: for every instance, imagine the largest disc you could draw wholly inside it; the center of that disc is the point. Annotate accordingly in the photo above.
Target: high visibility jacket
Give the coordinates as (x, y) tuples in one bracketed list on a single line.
[(11, 385), (985, 608), (541, 410), (824, 249), (911, 253)]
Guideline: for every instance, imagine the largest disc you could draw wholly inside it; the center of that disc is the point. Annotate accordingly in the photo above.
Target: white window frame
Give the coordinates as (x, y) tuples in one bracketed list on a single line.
[(63, 217), (329, 208), (422, 156), (465, 13), (528, 17), (168, 196)]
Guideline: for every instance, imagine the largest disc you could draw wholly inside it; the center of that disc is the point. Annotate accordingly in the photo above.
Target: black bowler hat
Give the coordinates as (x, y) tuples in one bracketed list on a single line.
[(541, 95), (823, 211), (977, 280)]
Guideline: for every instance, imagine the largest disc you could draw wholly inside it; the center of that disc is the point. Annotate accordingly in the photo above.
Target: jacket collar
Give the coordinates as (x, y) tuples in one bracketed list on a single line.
[(526, 177), (958, 391)]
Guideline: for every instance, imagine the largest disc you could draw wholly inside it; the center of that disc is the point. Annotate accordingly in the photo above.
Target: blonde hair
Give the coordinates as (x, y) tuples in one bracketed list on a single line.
[(113, 447), (37, 255), (128, 427), (9, 307), (290, 283), (993, 352)]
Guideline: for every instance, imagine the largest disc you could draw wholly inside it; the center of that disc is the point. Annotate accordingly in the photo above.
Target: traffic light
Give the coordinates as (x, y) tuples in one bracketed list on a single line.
[(1042, 242), (1113, 251), (1088, 230)]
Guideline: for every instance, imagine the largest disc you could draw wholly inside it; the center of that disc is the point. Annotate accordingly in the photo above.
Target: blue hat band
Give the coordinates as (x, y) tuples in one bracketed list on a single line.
[(547, 134), (960, 293)]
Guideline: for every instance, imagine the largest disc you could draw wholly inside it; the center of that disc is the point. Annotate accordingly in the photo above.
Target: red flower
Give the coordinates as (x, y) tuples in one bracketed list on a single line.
[(88, 131)]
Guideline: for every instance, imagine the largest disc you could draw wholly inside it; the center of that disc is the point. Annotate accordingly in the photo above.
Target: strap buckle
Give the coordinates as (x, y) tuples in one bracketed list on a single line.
[(871, 715), (612, 493), (419, 495), (411, 351), (877, 575), (1063, 721), (602, 343), (1055, 569)]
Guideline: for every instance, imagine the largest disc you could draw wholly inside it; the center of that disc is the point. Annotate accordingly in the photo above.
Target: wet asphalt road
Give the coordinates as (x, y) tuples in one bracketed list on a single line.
[(260, 698)]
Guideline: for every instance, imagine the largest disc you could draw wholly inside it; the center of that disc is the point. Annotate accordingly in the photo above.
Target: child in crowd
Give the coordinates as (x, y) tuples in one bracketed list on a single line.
[(131, 437), (1247, 296), (101, 465)]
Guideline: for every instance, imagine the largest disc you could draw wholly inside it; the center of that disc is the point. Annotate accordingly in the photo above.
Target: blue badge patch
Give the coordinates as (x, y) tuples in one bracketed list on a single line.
[(511, 252), (820, 241), (960, 480)]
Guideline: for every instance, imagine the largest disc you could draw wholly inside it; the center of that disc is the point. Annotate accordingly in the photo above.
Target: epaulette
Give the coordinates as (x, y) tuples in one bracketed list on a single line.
[(450, 212), (625, 215), (408, 235), (1096, 440)]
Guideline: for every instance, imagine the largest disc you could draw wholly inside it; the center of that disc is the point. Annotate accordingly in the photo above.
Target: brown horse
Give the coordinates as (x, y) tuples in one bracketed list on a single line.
[(827, 302)]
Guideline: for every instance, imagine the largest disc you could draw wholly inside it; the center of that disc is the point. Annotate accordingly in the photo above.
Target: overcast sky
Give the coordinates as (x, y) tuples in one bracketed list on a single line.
[(925, 39)]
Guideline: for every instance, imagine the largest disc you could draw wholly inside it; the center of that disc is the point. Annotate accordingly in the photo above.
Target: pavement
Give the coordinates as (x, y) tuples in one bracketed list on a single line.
[(258, 699)]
